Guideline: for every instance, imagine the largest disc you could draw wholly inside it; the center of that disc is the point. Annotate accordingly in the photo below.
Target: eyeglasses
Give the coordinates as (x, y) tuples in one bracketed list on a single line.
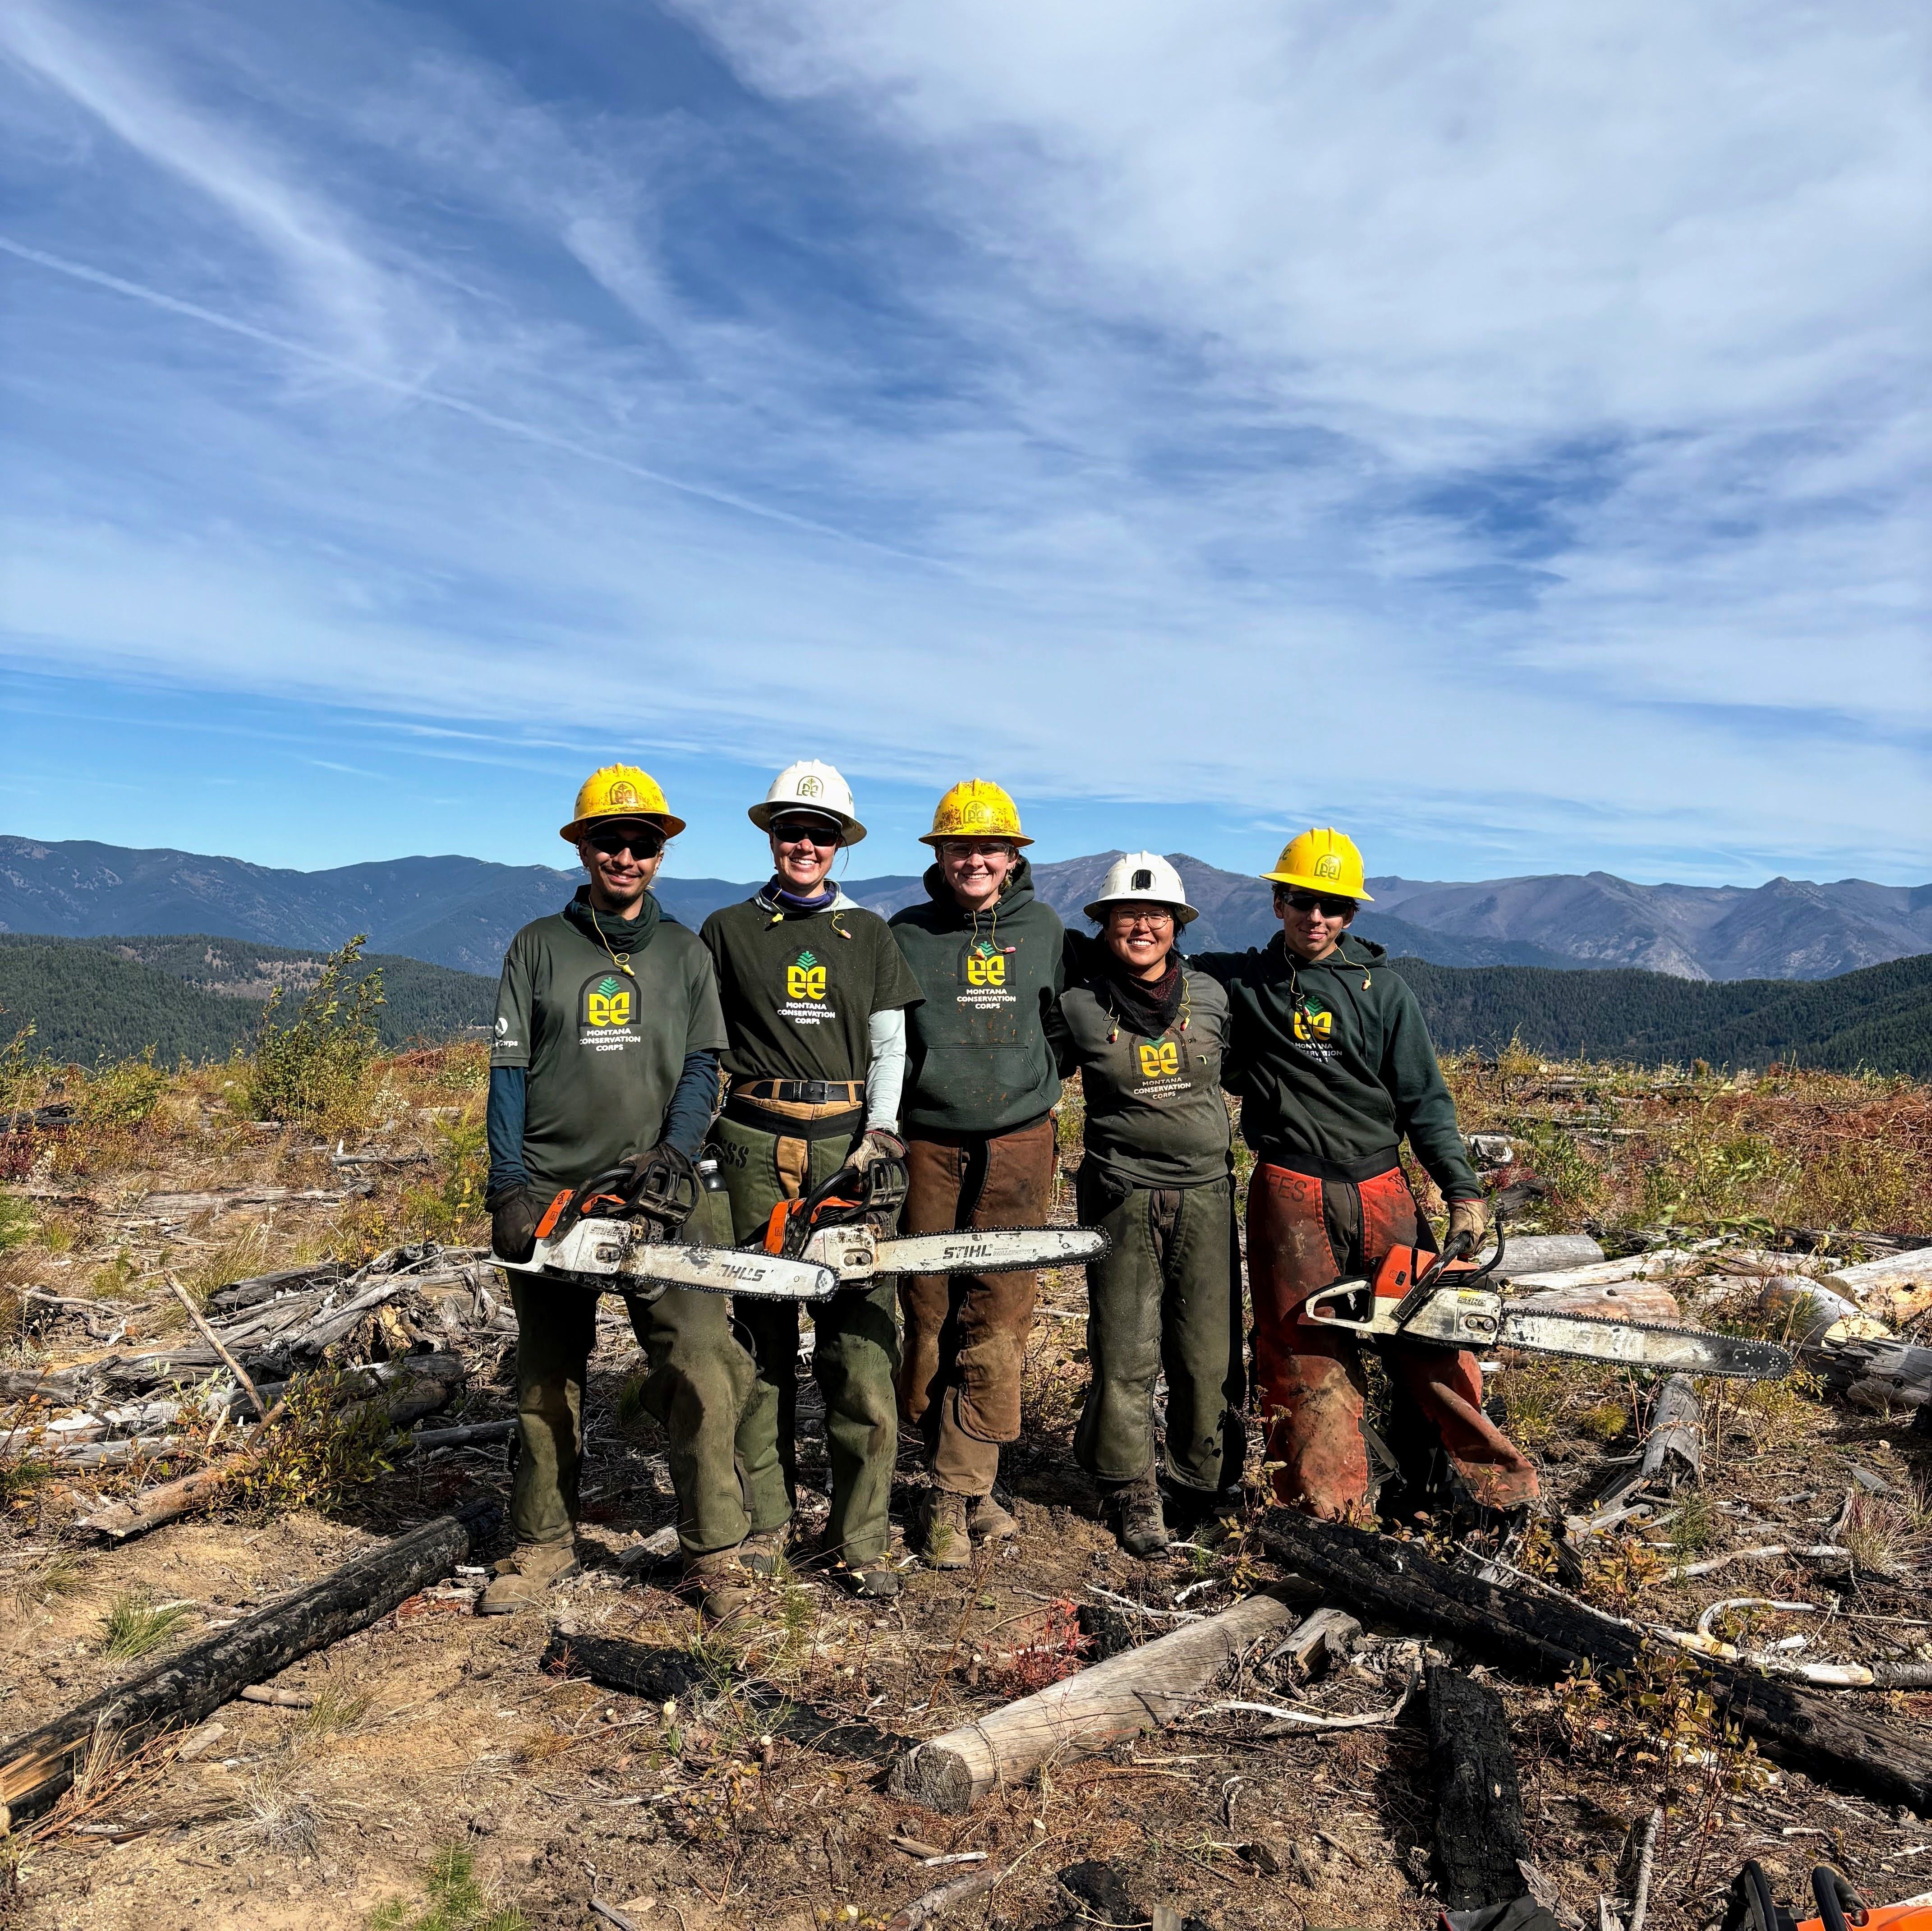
[(804, 831), (1313, 901), (1156, 921), (975, 847), (640, 840)]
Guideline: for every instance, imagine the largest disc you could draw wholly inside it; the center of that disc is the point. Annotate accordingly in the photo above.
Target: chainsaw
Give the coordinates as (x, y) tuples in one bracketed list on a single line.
[(619, 1233), (1439, 1299)]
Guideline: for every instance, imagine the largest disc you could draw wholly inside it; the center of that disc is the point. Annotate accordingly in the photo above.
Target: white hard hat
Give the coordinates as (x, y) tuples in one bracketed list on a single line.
[(810, 786), (1143, 878)]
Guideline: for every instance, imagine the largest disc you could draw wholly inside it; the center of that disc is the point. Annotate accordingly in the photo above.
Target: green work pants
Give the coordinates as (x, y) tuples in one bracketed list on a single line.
[(855, 1357), (698, 1375), (1167, 1296)]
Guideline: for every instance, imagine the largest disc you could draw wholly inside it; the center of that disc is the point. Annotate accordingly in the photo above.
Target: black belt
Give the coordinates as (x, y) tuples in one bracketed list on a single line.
[(827, 1126), (800, 1092), (1371, 1166)]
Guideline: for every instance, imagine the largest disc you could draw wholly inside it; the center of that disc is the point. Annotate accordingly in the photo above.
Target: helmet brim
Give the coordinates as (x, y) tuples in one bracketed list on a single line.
[(1305, 882), (850, 830), (1184, 914), (671, 826)]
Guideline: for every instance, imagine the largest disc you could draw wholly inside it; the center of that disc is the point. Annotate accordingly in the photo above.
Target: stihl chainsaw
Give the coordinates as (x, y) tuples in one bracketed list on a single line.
[(1438, 1298), (620, 1232)]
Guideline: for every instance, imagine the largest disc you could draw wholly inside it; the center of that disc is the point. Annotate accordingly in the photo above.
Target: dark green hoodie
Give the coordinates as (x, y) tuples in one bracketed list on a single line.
[(977, 1056), (1347, 1077)]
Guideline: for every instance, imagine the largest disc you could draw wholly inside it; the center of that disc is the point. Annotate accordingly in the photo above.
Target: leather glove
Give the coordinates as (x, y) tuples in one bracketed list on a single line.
[(1467, 1216), (877, 1145), (514, 1215)]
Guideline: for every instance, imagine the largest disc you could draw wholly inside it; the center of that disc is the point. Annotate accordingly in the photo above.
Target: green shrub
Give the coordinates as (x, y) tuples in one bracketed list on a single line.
[(21, 1073), (134, 1625), (451, 1206), (123, 1094), (314, 1066), (17, 1223)]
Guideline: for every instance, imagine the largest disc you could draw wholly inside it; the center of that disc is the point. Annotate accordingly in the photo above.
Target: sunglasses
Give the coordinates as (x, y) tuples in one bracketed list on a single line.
[(800, 832), (1313, 901), (640, 840)]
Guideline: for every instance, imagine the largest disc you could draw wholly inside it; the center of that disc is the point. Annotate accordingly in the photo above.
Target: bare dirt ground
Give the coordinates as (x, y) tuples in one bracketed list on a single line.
[(436, 1731)]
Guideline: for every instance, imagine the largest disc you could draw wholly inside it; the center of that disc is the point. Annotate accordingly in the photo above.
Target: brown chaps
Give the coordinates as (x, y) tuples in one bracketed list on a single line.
[(965, 1335), (1305, 1232)]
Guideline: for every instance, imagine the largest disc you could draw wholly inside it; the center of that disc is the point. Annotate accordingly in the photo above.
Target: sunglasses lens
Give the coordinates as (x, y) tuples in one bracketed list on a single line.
[(638, 844), (821, 836)]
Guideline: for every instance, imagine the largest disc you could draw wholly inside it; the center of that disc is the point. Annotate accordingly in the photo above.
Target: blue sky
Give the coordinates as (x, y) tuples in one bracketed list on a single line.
[(1496, 428)]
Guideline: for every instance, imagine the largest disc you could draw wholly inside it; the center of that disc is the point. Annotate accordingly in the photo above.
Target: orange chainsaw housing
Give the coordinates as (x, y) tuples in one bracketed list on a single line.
[(1401, 1265), (782, 1215), (1915, 1914)]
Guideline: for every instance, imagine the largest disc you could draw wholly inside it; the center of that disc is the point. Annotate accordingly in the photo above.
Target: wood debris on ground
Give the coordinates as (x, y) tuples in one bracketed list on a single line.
[(242, 1679)]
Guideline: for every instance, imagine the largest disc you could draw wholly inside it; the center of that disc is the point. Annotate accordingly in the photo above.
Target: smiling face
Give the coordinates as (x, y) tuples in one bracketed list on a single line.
[(623, 858), (1140, 934), (803, 846), (975, 870), (1312, 926)]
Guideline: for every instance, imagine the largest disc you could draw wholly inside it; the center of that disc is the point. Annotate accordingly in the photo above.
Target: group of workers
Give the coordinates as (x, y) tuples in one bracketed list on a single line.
[(798, 1034)]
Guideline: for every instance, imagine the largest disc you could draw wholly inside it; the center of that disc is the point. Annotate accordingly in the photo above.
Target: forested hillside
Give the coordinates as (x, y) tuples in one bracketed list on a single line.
[(1879, 1019), (197, 998)]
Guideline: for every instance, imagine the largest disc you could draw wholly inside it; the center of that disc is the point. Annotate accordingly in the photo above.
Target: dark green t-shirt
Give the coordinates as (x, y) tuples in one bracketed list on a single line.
[(798, 991), (1154, 1110), (604, 1049)]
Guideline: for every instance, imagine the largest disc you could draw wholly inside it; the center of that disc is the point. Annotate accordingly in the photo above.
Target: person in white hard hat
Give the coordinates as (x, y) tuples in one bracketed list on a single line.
[(815, 991), (1147, 1035)]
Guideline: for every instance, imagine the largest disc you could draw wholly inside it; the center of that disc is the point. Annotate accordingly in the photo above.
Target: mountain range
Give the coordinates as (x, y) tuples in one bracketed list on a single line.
[(461, 912)]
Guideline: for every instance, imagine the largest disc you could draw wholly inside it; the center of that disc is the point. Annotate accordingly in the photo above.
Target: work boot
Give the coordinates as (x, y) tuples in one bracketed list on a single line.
[(519, 1581), (987, 1521), (1138, 1520), (763, 1550), (717, 1586), (946, 1544)]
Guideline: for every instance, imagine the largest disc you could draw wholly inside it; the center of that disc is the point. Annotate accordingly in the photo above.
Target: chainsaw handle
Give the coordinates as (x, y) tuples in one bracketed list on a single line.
[(798, 1226), (1411, 1303), (611, 1179), (1837, 1902)]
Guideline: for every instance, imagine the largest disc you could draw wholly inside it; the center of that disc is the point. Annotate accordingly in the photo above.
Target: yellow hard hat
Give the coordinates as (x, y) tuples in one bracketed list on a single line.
[(620, 791), (975, 808), (1324, 861)]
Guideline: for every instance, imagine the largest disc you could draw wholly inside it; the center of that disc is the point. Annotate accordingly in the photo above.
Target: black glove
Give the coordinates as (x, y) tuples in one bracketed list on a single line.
[(663, 1187), (514, 1214)]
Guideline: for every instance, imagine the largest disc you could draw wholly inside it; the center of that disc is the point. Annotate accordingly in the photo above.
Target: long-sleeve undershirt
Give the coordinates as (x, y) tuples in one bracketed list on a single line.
[(885, 1075)]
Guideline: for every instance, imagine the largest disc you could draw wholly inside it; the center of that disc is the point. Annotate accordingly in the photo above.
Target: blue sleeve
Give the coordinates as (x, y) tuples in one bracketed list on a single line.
[(508, 1097), (687, 1118)]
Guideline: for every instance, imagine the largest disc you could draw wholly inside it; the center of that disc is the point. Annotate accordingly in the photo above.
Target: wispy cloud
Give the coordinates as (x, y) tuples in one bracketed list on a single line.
[(1492, 418)]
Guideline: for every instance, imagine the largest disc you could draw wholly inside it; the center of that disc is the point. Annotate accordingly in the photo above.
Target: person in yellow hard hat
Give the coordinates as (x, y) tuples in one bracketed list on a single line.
[(607, 1038), (977, 1119), (1331, 1057)]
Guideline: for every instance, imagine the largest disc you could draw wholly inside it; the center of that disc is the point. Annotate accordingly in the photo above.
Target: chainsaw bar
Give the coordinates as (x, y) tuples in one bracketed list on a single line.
[(602, 1254), (1591, 1338), (993, 1250)]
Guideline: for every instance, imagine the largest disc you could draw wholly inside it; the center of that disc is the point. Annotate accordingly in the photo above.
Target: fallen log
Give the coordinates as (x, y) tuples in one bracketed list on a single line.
[(1139, 1690), (1676, 1430), (1547, 1254), (1610, 1300), (1821, 1316), (35, 1769), (1660, 1264), (1894, 1288), (1879, 1375), (1480, 1845), (1543, 1633)]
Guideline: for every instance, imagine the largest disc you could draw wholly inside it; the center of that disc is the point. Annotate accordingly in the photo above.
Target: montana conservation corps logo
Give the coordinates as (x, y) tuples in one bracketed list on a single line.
[(1312, 1026), (623, 793), (1328, 866), (608, 1014), (607, 1002), (985, 967), (1160, 1058), (810, 788), (804, 978)]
